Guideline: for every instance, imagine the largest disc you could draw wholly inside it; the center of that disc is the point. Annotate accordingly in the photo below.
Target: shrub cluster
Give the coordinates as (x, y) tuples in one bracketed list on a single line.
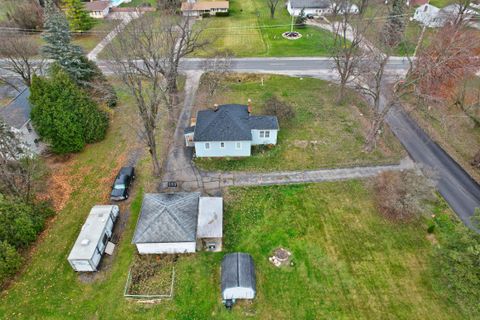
[(20, 224), (64, 115), (222, 14), (276, 107)]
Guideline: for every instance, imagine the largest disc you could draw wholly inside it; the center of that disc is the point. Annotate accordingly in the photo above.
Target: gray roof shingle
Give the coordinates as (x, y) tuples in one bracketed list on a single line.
[(238, 270), (17, 112), (167, 217), (321, 4), (230, 122)]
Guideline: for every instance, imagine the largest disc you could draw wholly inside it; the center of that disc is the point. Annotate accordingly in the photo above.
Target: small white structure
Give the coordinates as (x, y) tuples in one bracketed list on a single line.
[(17, 116), (428, 15), (238, 278), (92, 240), (179, 222), (193, 8), (167, 223), (210, 224), (320, 7), (98, 9)]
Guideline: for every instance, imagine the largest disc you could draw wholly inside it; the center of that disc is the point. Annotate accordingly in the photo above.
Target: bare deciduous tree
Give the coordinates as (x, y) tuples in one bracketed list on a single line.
[(348, 44), (216, 69), (146, 56), (20, 57), (20, 171), (272, 6)]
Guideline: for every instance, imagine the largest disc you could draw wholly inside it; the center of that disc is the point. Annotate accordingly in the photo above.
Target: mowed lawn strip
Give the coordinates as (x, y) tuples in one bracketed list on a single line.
[(322, 134), (249, 32), (349, 262)]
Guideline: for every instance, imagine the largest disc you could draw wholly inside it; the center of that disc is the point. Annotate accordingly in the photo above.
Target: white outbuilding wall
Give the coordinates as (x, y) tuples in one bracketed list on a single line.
[(168, 247)]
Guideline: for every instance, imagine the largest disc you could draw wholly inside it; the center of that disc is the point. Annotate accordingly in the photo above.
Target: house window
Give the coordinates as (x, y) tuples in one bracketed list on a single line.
[(105, 239), (267, 134), (222, 144), (238, 145), (262, 134), (207, 145)]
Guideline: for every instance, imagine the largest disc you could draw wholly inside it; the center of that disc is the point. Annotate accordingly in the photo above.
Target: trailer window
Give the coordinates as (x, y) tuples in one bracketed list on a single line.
[(105, 239)]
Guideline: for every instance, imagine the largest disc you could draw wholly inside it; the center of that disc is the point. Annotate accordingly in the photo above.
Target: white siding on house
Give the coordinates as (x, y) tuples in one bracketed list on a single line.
[(99, 14), (264, 137), (229, 149), (168, 247)]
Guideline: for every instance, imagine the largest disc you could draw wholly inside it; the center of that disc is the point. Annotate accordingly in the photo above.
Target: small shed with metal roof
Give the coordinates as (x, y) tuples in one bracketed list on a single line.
[(238, 278)]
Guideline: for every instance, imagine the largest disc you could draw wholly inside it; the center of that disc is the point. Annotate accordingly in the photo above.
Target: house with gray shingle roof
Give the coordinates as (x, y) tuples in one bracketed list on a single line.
[(230, 130), (16, 115), (177, 223)]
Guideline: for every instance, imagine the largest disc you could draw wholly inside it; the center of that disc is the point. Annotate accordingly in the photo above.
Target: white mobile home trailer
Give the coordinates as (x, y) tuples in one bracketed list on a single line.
[(92, 240)]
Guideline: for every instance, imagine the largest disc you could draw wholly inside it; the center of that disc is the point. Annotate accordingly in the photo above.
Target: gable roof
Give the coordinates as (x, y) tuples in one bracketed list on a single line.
[(17, 112), (230, 122), (322, 4), (238, 270), (167, 217), (204, 5), (97, 5)]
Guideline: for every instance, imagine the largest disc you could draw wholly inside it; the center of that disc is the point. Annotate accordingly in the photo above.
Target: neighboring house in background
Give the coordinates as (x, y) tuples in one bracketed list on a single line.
[(434, 17), (319, 7), (98, 9), (17, 116), (428, 15), (196, 9), (230, 131), (178, 223)]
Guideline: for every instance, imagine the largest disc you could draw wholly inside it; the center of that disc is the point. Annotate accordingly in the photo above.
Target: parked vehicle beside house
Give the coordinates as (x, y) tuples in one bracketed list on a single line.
[(122, 183), (93, 238)]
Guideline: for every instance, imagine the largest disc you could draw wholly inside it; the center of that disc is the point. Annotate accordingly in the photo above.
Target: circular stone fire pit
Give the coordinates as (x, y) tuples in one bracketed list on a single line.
[(292, 35), (280, 257)]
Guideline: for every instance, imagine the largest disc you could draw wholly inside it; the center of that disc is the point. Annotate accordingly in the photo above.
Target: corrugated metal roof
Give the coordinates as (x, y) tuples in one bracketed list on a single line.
[(238, 270), (321, 4), (167, 217), (210, 217)]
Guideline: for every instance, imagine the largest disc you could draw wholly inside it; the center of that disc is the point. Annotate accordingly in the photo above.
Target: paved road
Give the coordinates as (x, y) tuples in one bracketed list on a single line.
[(455, 185)]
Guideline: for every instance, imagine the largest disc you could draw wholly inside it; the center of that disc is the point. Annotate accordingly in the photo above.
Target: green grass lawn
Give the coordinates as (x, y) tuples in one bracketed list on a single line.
[(136, 3), (249, 31), (349, 262), (322, 134), (91, 38)]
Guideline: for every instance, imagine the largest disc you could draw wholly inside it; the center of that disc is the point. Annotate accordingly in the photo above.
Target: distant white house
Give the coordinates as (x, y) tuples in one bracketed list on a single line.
[(320, 7), (98, 9), (434, 17), (179, 222), (428, 15), (16, 115), (193, 8), (230, 130)]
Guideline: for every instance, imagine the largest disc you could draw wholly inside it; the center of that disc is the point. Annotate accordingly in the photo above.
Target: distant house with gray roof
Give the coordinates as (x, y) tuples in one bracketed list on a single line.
[(320, 7), (16, 115), (230, 130), (176, 222)]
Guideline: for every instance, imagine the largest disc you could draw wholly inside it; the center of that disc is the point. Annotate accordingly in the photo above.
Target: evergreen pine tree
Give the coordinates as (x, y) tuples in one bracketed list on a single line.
[(58, 44), (77, 16), (395, 25)]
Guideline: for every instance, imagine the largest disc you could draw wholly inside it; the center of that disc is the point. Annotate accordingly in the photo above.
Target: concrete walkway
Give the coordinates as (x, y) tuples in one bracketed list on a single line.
[(105, 41), (213, 181)]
